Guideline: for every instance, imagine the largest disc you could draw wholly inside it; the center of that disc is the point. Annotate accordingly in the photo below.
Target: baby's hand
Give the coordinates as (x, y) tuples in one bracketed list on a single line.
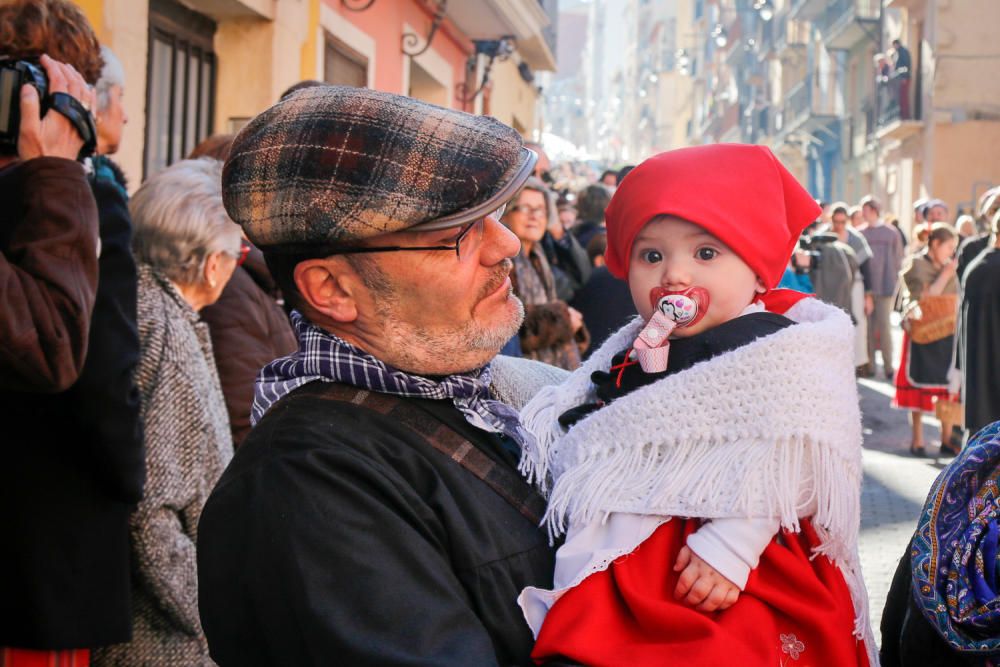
[(701, 586)]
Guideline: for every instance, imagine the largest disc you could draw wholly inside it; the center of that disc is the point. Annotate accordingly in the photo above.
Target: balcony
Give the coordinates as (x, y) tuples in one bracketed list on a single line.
[(789, 33), (897, 119), (845, 23), (805, 10), (492, 19), (811, 104)]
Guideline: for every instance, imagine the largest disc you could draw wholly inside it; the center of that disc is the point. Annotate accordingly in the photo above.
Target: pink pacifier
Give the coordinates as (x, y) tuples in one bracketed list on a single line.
[(672, 310)]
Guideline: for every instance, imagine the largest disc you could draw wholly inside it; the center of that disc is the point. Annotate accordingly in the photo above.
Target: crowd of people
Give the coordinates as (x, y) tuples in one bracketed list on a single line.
[(247, 427), (857, 258)]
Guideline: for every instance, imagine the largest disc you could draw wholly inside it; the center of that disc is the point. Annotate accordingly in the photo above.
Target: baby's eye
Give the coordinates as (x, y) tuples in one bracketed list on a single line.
[(651, 256), (707, 253)]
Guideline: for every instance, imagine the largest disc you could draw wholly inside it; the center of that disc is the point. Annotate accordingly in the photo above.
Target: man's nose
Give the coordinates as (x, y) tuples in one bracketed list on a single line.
[(499, 243)]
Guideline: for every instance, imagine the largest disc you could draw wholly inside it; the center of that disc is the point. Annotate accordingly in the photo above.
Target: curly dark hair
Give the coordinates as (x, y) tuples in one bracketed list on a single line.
[(29, 28)]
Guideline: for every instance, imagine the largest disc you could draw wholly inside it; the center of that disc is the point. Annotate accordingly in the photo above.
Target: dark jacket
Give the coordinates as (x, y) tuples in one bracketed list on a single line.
[(569, 263), (908, 638), (978, 332), (355, 542), (73, 470), (586, 230), (48, 273), (606, 305), (249, 329)]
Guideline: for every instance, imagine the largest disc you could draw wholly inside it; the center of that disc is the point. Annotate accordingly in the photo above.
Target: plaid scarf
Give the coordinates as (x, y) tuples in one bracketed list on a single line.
[(325, 357), (955, 550)]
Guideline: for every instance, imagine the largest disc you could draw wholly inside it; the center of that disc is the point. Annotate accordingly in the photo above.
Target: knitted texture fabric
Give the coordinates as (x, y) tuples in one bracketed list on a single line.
[(515, 381), (188, 444), (334, 164), (771, 429)]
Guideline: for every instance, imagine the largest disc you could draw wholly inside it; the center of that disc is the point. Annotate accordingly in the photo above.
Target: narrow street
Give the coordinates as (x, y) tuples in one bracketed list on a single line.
[(894, 488)]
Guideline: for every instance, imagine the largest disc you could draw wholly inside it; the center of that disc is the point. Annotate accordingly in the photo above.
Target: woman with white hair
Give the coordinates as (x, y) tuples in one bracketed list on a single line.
[(187, 249), (111, 117)]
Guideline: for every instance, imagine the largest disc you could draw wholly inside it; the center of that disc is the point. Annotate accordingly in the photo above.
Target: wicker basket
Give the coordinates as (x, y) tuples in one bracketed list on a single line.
[(949, 410), (933, 318)]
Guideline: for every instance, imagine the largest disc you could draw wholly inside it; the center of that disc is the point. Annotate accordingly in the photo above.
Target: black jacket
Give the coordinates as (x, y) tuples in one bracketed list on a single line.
[(606, 305), (339, 536), (249, 330), (73, 469), (908, 638)]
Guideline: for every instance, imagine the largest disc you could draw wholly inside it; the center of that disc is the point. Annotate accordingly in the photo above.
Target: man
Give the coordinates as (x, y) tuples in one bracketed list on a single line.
[(901, 71), (887, 259), (374, 515), (862, 301)]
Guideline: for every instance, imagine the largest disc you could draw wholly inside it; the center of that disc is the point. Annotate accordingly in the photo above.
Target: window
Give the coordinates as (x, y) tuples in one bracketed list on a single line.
[(180, 90), (343, 66)]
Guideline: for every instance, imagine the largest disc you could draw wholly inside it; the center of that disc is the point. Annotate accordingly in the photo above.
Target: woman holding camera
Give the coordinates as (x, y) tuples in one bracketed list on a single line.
[(922, 374)]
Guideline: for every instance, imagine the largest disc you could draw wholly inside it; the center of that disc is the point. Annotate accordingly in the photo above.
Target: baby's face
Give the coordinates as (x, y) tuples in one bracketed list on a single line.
[(673, 255)]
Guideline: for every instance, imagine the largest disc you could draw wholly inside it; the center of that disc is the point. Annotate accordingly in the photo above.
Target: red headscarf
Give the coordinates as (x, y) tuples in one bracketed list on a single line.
[(742, 194)]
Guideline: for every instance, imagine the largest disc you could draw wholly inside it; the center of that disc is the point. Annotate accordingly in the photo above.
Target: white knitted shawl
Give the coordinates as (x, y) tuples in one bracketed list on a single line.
[(771, 429)]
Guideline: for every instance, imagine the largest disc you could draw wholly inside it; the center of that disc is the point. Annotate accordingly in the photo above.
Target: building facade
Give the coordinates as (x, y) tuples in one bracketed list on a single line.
[(198, 67), (804, 77)]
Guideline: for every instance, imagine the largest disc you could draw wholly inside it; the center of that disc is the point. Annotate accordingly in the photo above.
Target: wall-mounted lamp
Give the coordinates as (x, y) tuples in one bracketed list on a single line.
[(494, 49), (765, 9), (720, 36), (410, 42), (683, 61), (525, 71)]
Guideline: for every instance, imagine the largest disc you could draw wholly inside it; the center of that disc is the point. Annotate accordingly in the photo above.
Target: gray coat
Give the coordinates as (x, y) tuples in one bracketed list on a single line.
[(188, 444)]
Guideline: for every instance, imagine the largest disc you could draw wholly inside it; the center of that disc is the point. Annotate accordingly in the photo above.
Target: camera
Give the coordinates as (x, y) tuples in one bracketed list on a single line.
[(14, 74), (813, 247)]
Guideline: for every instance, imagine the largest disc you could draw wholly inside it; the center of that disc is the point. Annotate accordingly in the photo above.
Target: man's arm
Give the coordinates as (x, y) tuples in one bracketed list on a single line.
[(48, 279), (327, 556), (48, 272)]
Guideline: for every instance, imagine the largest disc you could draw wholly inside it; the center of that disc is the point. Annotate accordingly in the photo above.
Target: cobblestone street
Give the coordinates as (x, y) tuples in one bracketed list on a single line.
[(894, 488)]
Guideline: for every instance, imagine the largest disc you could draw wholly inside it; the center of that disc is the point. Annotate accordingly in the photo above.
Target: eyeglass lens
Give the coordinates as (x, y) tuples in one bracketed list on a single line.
[(472, 237)]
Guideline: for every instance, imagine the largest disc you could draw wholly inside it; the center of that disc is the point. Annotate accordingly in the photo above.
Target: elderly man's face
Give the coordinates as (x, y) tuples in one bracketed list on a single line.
[(437, 314)]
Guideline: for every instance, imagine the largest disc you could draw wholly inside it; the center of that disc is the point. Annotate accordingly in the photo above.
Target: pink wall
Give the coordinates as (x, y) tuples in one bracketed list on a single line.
[(384, 22)]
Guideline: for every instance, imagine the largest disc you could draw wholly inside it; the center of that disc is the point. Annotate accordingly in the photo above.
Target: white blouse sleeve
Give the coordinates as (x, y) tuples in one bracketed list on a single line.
[(733, 546)]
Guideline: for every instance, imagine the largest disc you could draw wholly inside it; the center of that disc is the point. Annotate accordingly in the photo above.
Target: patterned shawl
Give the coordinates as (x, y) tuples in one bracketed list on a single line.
[(955, 549), (325, 357)]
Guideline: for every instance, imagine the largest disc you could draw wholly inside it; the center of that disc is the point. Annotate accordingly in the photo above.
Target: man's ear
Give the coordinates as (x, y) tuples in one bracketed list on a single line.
[(325, 285), (761, 287)]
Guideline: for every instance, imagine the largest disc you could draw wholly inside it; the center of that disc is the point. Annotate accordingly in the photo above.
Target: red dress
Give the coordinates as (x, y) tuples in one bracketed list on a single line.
[(794, 612)]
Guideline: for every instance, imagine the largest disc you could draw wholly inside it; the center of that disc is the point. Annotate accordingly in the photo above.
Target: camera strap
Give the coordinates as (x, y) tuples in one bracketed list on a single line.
[(71, 108)]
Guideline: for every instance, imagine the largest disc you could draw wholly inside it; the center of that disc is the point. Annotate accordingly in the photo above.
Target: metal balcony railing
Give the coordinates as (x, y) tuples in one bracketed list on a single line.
[(843, 11)]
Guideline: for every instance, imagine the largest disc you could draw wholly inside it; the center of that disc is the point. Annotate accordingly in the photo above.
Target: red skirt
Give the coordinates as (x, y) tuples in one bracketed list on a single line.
[(794, 612), (909, 397), (22, 657)]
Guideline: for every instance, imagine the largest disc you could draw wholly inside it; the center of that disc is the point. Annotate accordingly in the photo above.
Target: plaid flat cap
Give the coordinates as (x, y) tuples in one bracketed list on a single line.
[(333, 164)]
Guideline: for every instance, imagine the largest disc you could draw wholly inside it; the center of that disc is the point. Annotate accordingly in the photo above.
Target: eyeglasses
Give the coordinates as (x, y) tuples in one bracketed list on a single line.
[(468, 239), (530, 211)]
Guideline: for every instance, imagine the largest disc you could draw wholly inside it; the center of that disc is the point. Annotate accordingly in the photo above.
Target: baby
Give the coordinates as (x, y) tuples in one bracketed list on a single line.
[(705, 463)]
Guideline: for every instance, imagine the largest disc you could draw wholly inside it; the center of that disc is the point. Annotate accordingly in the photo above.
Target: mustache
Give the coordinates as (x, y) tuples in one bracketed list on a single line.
[(496, 280)]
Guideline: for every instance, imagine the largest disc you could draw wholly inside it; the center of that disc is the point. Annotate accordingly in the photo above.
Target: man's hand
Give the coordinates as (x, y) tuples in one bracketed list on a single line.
[(869, 304), (54, 135), (701, 586)]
